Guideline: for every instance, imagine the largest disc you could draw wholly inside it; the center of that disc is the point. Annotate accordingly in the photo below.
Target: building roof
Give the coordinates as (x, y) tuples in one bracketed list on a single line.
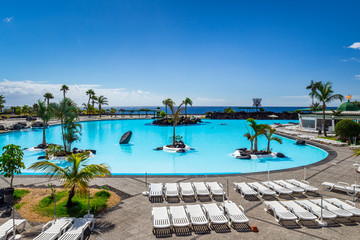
[(348, 106)]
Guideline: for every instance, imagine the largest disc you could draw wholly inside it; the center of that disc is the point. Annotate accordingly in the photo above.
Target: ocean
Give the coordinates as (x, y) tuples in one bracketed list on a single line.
[(204, 109)]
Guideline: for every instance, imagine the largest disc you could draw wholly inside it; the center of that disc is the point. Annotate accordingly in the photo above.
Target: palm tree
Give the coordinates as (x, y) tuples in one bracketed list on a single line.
[(167, 102), (313, 87), (48, 96), (102, 101), (66, 112), (175, 116), (269, 136), (250, 137), (258, 130), (2, 102), (45, 114), (76, 175), (91, 93), (324, 94), (187, 101), (64, 88), (315, 106), (94, 100)]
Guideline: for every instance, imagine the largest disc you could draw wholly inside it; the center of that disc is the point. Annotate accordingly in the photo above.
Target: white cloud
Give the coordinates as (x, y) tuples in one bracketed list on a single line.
[(8, 19), (355, 45), (28, 92), (351, 60), (357, 77), (208, 101)]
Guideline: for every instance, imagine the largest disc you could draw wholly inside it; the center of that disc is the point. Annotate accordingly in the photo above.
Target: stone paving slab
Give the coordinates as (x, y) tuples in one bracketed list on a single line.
[(131, 219)]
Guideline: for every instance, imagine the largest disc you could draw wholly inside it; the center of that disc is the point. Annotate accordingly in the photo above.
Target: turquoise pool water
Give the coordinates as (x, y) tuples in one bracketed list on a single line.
[(214, 143)]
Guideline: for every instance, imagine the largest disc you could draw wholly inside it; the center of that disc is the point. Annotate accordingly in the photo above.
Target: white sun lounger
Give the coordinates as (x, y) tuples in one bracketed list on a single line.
[(7, 227), (196, 215), (186, 190), (277, 188), (279, 211), (200, 189), (215, 188), (236, 214), (290, 186), (77, 230), (347, 205), (342, 186), (171, 190), (160, 218), (303, 184), (261, 189), (245, 189), (155, 190), (332, 208), (299, 211), (315, 209), (54, 229), (214, 214), (178, 216)]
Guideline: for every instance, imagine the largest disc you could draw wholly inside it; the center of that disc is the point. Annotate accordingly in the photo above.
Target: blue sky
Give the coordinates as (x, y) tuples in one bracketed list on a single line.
[(215, 52)]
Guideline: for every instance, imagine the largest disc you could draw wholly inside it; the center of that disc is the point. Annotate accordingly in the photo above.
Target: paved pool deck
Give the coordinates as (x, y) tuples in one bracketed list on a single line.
[(131, 218)]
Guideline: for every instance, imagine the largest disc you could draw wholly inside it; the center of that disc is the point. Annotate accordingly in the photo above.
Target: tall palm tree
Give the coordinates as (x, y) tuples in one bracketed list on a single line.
[(102, 101), (94, 100), (313, 87), (175, 116), (187, 101), (45, 114), (91, 93), (66, 112), (167, 102), (48, 96), (76, 174), (250, 137), (325, 94), (2, 102), (64, 88), (269, 136), (258, 130)]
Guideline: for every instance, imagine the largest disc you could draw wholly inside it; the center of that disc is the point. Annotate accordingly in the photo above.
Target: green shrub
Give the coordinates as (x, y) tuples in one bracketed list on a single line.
[(103, 194), (229, 110), (162, 114), (19, 205), (347, 128), (19, 193)]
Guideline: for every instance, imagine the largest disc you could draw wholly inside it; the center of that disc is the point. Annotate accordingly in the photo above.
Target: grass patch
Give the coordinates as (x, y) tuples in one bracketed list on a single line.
[(98, 202), (332, 138), (19, 205), (19, 193)]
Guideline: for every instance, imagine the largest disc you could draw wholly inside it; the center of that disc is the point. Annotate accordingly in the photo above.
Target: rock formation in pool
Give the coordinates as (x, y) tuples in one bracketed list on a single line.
[(182, 121), (125, 139)]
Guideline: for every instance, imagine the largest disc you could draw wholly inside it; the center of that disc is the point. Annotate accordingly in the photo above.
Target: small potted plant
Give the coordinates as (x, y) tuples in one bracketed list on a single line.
[(10, 164)]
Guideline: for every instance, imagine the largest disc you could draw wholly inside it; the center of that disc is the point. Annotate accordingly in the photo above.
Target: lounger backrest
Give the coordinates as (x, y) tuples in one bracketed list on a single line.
[(171, 186), (186, 186), (212, 209), (307, 203), (195, 210), (325, 204), (294, 205), (258, 185), (232, 208), (277, 206), (199, 185), (177, 211)]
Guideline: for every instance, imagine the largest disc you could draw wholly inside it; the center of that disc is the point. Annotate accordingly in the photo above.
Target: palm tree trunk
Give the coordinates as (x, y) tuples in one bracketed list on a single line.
[(166, 110), (62, 132), (100, 109), (185, 110), (174, 135), (256, 145), (71, 195), (44, 138), (64, 94), (251, 146), (324, 107), (48, 101), (88, 109), (268, 146)]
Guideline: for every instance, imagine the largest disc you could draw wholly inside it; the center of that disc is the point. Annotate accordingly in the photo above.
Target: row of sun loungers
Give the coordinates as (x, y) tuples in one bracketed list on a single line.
[(187, 189), (197, 215), (306, 210), (271, 188), (351, 190), (66, 229)]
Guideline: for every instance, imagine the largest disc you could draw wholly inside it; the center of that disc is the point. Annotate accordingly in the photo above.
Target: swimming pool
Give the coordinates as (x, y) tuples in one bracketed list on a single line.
[(214, 141)]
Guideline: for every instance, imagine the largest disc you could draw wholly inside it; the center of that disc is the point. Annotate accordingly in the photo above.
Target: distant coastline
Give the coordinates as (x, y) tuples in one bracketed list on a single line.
[(204, 109)]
